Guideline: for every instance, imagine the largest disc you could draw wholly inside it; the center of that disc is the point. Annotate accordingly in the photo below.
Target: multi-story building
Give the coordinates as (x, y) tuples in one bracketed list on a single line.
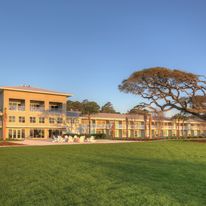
[(141, 126), (28, 112)]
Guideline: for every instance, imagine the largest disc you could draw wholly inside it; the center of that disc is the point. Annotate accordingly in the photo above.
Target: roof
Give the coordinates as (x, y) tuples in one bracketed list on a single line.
[(73, 114), (117, 116), (33, 90)]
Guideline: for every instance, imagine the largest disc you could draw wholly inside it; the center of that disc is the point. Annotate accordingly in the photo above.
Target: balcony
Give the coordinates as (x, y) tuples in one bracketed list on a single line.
[(16, 108), (37, 106), (16, 105), (56, 108), (37, 109), (56, 111), (168, 127)]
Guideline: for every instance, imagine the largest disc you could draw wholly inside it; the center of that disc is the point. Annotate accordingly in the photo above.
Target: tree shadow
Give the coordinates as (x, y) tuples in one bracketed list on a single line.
[(182, 181)]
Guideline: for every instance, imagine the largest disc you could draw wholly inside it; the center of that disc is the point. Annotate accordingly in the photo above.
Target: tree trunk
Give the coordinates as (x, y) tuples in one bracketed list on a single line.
[(178, 129), (145, 126), (89, 118), (4, 121), (127, 129), (150, 126)]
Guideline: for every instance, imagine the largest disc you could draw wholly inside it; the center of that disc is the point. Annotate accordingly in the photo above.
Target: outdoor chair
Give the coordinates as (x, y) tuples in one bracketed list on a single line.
[(60, 139), (91, 139), (76, 139), (70, 139), (82, 139), (55, 139), (66, 138)]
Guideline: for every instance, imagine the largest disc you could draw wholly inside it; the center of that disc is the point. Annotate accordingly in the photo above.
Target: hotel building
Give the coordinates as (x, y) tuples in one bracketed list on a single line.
[(28, 112), (140, 126)]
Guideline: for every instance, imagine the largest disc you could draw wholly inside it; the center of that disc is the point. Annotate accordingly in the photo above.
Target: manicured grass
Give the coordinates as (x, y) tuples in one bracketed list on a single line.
[(150, 173)]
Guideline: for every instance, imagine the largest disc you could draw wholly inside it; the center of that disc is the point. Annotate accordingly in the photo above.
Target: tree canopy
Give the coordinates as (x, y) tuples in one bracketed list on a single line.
[(108, 108), (90, 107), (138, 109), (74, 106), (168, 89)]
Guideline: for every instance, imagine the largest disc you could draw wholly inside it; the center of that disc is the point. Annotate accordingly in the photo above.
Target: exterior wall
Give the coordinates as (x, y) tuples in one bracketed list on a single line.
[(1, 100), (46, 113), (120, 126), (1, 114), (135, 128)]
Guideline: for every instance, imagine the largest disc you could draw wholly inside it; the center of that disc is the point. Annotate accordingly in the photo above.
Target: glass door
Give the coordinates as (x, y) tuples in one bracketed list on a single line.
[(16, 133)]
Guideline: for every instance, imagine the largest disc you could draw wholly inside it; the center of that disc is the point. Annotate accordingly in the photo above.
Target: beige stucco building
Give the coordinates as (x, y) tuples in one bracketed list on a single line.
[(139, 126), (28, 112)]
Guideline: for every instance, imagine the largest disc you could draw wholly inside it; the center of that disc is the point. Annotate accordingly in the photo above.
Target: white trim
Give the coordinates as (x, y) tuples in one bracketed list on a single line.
[(40, 92)]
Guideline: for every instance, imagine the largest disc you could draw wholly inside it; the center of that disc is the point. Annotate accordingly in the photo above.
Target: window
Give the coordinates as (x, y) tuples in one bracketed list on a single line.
[(55, 106), (41, 119), (142, 133), (51, 120), (37, 133), (12, 119), (17, 104), (32, 119), (22, 119), (23, 133), (59, 120), (54, 133), (36, 106), (16, 133), (10, 133)]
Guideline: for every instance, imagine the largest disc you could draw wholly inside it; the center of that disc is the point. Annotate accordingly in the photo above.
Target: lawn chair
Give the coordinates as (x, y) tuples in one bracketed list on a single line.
[(60, 139), (66, 138), (76, 138), (70, 139), (91, 139), (81, 139), (55, 139)]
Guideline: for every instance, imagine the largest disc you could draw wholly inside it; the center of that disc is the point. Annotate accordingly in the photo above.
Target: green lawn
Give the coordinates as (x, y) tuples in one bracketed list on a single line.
[(150, 173)]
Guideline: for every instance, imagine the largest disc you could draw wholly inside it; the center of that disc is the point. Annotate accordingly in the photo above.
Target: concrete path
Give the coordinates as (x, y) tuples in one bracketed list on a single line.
[(49, 142)]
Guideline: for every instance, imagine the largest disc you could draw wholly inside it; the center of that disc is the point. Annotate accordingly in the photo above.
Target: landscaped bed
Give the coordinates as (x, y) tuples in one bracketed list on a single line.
[(7, 143), (147, 173)]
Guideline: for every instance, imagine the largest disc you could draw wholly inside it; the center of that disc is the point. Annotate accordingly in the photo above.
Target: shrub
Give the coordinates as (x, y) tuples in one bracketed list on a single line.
[(96, 136), (99, 136)]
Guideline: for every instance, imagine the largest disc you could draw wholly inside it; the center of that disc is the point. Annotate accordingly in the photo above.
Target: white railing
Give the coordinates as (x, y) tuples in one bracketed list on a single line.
[(135, 127), (16, 108), (59, 111), (119, 127), (37, 109)]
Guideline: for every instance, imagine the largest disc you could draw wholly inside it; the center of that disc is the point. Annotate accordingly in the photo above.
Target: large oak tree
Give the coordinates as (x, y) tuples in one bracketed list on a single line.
[(169, 89)]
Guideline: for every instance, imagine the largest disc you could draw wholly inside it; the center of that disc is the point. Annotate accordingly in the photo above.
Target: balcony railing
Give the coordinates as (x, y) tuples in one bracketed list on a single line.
[(56, 111), (16, 108), (37, 109)]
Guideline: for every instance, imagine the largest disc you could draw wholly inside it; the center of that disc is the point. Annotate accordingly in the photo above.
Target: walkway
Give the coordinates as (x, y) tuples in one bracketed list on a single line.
[(49, 142)]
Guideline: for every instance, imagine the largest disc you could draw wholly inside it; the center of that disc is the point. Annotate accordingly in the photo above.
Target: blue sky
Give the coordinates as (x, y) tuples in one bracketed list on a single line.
[(88, 47)]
